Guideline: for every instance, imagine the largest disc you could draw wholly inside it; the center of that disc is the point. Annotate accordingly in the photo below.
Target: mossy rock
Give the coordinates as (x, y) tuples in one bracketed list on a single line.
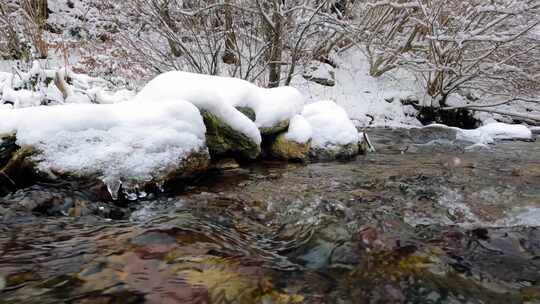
[(192, 167), (223, 141), (19, 172), (8, 147), (280, 127), (285, 149), (248, 112)]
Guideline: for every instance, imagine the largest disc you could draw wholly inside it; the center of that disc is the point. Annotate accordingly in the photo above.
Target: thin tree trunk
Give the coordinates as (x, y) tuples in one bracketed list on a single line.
[(276, 50), (230, 54)]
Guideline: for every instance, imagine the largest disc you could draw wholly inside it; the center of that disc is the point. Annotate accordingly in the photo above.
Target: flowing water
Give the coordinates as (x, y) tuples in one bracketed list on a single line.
[(420, 221)]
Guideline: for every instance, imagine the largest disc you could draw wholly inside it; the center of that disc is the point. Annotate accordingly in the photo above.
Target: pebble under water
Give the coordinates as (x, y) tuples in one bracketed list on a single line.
[(426, 219)]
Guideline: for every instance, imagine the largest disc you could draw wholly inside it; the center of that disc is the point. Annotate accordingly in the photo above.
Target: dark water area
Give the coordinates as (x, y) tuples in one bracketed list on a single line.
[(426, 219)]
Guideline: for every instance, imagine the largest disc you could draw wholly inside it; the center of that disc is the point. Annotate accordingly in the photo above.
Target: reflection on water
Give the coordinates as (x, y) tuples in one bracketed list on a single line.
[(419, 222)]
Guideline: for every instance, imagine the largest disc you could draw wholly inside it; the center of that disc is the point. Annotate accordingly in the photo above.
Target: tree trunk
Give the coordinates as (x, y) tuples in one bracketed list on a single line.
[(37, 12), (276, 49), (176, 50), (230, 54)]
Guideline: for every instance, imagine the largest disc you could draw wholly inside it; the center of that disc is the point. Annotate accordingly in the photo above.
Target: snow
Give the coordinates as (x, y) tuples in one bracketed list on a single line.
[(367, 100), (495, 131), (30, 89), (21, 98), (317, 71), (103, 96), (300, 130), (491, 132), (330, 124), (220, 95), (122, 143)]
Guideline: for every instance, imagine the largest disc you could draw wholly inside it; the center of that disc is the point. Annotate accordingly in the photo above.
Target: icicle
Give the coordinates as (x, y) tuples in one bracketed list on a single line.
[(113, 186)]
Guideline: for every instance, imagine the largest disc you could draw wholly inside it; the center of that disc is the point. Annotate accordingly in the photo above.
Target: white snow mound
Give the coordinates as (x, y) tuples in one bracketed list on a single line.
[(493, 131), (132, 142), (330, 124), (220, 95)]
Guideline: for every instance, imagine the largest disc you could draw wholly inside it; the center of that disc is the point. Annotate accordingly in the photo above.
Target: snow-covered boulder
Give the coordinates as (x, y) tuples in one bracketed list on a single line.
[(295, 143), (334, 134), (227, 98), (496, 131), (126, 145), (486, 134), (321, 73)]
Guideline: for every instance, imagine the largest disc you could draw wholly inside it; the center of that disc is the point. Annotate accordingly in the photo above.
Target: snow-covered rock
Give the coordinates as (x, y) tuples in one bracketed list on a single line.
[(334, 134), (495, 131), (300, 130), (220, 96), (21, 98), (295, 143), (488, 133), (286, 149), (321, 73), (224, 141), (126, 144)]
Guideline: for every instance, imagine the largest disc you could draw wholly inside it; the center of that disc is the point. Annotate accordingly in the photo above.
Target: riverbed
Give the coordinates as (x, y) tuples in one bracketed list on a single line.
[(424, 219)]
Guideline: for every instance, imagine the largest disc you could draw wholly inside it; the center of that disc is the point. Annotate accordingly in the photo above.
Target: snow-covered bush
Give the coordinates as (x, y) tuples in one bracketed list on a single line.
[(39, 86), (266, 42), (489, 48)]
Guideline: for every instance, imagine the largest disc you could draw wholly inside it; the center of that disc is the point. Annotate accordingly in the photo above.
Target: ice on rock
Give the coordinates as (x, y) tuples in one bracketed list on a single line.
[(123, 143), (220, 95), (330, 124)]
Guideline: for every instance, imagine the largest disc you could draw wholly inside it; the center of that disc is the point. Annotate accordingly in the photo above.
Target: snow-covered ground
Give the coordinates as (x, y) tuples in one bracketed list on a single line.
[(376, 102), (367, 100)]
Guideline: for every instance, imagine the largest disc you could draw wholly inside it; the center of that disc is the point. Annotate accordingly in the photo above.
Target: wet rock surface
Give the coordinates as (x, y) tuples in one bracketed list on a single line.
[(343, 152), (436, 224), (285, 149), (222, 140)]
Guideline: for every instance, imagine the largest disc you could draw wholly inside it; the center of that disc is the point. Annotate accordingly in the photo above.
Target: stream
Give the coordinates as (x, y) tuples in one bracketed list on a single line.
[(425, 219)]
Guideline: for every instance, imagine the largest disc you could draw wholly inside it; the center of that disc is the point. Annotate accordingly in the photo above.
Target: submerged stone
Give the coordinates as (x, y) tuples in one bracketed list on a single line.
[(343, 152)]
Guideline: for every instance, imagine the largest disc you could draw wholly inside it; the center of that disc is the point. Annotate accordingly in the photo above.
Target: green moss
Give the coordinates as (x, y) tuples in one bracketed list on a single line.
[(289, 150), (280, 127), (222, 140)]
